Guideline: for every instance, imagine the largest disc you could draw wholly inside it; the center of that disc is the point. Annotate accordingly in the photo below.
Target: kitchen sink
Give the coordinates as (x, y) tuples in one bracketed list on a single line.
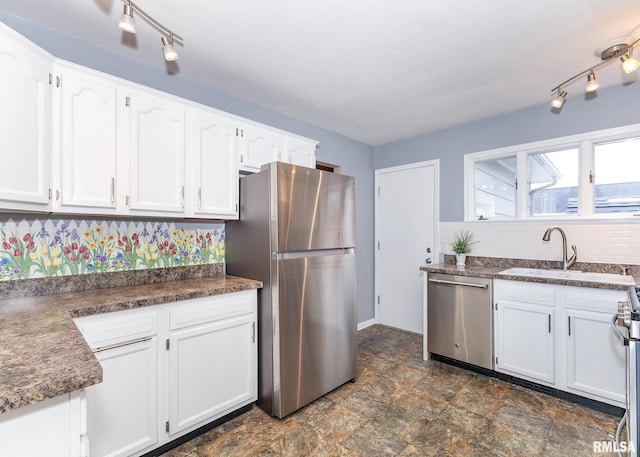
[(575, 275)]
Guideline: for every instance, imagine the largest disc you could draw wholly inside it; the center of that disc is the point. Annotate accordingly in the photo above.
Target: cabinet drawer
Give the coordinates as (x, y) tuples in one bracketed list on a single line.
[(119, 327), (521, 291), (599, 300), (202, 310)]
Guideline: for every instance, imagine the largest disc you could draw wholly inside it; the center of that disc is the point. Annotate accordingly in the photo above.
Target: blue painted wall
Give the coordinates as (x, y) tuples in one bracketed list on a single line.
[(611, 107), (355, 158)]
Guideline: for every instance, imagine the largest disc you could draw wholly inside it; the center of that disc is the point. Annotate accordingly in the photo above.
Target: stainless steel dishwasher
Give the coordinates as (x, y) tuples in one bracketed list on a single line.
[(460, 318)]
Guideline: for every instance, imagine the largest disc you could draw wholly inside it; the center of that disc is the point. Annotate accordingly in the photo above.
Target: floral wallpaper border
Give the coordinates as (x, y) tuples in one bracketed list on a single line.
[(58, 248)]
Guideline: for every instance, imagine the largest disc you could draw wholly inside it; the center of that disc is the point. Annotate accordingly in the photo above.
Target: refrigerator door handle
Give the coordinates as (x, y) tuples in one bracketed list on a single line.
[(315, 253)]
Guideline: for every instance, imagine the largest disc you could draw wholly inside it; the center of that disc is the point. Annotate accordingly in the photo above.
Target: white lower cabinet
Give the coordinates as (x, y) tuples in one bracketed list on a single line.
[(595, 358), (123, 409), (525, 340), (204, 382), (560, 336), (169, 369), (52, 428)]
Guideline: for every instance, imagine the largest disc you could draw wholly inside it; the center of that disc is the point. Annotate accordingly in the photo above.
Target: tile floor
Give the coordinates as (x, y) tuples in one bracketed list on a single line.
[(404, 406)]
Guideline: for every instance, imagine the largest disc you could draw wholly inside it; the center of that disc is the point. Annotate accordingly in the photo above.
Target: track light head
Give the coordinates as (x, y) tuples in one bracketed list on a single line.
[(629, 63), (559, 100), (127, 23), (170, 53), (592, 82)]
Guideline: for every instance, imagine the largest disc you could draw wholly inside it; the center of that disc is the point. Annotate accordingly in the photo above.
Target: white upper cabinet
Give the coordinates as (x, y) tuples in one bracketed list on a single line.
[(84, 141), (25, 123), (300, 152), (215, 166), (156, 155), (258, 146)]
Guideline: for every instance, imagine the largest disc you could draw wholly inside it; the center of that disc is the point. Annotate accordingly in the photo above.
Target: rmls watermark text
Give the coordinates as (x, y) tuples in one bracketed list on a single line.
[(612, 446)]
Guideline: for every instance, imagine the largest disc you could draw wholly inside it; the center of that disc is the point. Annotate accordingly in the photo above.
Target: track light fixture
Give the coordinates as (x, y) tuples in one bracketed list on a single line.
[(620, 48), (128, 24)]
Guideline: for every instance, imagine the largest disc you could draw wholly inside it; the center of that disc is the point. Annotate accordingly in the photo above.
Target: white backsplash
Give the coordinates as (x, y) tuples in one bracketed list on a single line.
[(598, 242)]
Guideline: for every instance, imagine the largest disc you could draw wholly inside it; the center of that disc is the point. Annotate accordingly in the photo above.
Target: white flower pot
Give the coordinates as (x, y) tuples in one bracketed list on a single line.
[(461, 259)]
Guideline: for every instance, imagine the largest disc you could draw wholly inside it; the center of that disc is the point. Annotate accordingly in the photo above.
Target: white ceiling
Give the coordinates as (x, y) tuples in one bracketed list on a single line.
[(373, 70)]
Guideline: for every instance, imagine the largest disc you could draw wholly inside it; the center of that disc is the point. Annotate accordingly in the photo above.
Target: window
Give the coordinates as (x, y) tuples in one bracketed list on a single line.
[(617, 176), (553, 183), (495, 186), (582, 176)]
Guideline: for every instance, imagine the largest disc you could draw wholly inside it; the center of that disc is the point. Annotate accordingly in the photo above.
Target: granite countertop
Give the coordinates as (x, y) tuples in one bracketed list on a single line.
[(43, 354), (487, 267)]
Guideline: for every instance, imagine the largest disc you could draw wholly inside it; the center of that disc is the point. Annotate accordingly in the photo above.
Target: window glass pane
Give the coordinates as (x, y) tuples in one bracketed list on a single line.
[(617, 177), (495, 190), (553, 183)]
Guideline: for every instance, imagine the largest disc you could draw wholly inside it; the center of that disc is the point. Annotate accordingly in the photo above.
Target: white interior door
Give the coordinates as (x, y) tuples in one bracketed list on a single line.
[(406, 224)]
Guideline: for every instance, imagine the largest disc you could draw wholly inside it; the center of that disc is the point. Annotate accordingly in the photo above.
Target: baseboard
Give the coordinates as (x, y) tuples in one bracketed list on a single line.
[(551, 391), (366, 324)]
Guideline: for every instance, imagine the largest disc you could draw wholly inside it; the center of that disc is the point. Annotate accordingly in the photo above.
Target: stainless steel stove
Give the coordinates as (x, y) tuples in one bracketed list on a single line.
[(626, 324)]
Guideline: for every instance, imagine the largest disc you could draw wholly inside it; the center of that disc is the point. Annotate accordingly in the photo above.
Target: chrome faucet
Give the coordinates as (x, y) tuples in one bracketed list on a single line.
[(566, 262)]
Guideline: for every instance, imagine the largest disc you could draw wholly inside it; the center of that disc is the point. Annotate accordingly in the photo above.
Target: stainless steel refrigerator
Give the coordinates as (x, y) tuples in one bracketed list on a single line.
[(296, 234)]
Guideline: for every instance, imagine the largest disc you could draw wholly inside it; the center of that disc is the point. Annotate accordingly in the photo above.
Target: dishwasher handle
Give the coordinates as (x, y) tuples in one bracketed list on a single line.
[(456, 283)]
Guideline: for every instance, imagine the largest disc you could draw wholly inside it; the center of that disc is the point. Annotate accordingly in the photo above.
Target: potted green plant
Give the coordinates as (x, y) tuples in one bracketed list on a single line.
[(461, 245)]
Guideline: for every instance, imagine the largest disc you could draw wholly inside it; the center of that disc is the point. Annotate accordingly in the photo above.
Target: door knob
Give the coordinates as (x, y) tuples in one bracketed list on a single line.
[(428, 260)]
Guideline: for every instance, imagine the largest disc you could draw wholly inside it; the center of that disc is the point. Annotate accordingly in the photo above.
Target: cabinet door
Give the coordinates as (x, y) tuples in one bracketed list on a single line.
[(212, 371), (595, 357), (123, 408), (25, 131), (258, 147), (87, 143), (525, 341), (300, 152), (51, 428), (215, 166), (156, 155)]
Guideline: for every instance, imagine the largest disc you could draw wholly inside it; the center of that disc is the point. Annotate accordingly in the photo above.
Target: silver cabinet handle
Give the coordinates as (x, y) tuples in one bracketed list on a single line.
[(113, 189), (119, 345), (200, 198), (182, 197), (549, 316), (455, 283)]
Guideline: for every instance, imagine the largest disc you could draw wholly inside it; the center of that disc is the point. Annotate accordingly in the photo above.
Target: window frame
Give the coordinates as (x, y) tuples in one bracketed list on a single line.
[(584, 142)]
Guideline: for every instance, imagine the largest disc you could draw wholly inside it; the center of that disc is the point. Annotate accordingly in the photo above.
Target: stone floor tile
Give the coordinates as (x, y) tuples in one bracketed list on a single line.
[(485, 403), (372, 441), (503, 440), (399, 422), (421, 403), (453, 422), (363, 404), (337, 423)]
